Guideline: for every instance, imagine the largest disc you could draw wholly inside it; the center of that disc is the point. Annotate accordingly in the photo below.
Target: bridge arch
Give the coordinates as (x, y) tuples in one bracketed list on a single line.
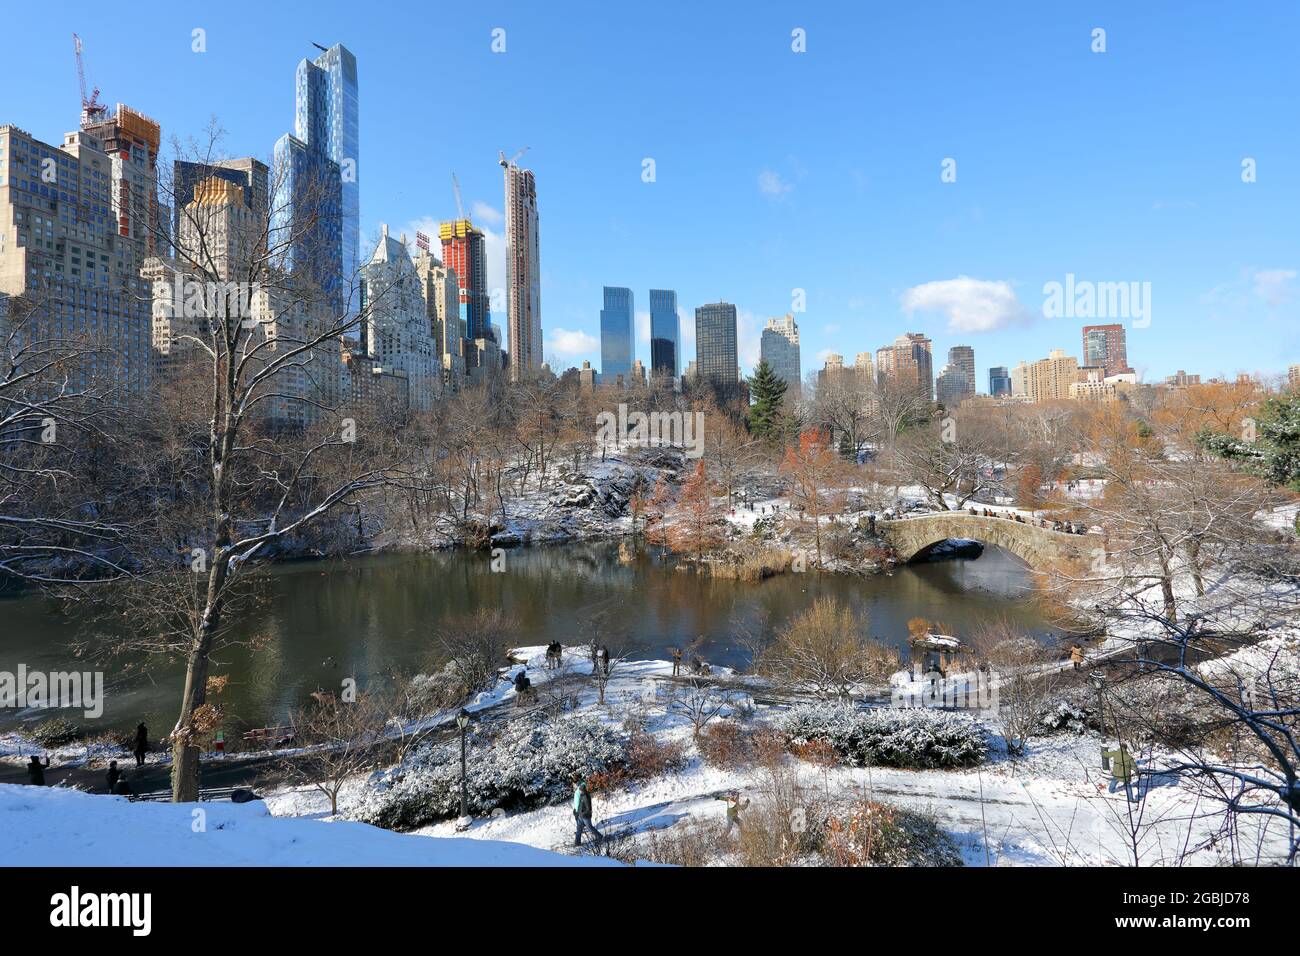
[(1034, 545)]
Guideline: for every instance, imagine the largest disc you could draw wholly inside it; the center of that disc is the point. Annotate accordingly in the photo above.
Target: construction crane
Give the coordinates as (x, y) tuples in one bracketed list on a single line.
[(460, 207), (507, 163), (90, 106)]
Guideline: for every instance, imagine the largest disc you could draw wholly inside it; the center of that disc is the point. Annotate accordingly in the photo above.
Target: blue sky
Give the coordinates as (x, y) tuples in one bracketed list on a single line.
[(777, 170)]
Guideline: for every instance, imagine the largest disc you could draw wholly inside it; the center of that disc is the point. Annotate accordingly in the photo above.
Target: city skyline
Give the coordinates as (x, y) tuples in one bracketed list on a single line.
[(967, 271)]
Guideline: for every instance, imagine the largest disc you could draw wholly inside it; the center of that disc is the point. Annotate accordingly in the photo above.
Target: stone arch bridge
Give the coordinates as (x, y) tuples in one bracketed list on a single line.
[(1034, 545)]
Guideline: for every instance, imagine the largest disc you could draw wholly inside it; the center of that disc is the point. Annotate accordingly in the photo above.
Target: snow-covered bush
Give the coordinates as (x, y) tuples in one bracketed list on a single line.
[(531, 763), (917, 739), (872, 833), (1066, 718)]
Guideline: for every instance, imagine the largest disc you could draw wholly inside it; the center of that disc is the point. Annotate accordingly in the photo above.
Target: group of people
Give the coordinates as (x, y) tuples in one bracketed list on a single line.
[(1065, 527), (697, 665), (117, 782)]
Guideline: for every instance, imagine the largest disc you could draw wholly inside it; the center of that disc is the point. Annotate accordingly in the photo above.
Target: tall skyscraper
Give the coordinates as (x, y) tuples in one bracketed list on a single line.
[(999, 381), (665, 335), (907, 362), (464, 252), (715, 343), (326, 118), (780, 349), (523, 271), (1106, 346), (963, 357), (317, 212), (617, 335)]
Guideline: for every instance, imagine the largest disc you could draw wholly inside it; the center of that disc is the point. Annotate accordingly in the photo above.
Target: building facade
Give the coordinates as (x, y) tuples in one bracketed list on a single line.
[(665, 335), (1050, 379), (907, 363), (715, 343), (77, 223), (327, 120), (399, 336), (999, 381), (617, 336), (464, 251), (523, 272), (780, 349), (1106, 346), (962, 357)]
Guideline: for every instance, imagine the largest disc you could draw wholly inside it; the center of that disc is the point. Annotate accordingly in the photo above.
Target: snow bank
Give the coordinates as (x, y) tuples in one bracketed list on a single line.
[(54, 826)]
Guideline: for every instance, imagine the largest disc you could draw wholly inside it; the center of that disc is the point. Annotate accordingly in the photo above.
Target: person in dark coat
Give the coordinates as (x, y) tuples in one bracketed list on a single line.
[(523, 687), (582, 813), (36, 771), (141, 744), (113, 775)]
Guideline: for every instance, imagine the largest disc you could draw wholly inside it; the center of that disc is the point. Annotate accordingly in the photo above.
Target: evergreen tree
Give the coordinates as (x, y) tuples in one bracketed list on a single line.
[(768, 392), (1273, 452)]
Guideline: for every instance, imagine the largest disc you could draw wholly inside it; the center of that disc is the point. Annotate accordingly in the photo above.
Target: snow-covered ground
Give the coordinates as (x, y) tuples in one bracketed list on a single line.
[(1051, 807), (55, 826)]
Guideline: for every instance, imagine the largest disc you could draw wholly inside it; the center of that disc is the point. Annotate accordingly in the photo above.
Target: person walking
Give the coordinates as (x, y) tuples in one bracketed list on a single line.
[(1123, 768), (1076, 656), (582, 813), (141, 744), (602, 660), (36, 771), (113, 775), (677, 661), (734, 806)]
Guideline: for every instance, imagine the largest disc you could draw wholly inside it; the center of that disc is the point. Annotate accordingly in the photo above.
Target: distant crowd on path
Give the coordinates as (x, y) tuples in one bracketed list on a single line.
[(116, 780), (1064, 527)]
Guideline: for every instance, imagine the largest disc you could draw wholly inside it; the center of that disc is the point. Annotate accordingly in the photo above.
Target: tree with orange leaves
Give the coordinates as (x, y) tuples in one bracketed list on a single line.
[(692, 527), (810, 466)]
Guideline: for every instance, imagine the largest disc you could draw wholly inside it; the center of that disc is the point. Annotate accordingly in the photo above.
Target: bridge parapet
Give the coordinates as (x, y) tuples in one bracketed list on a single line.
[(1035, 545)]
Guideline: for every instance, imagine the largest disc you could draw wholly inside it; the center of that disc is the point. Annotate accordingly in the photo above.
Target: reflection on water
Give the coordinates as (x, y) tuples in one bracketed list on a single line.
[(333, 619)]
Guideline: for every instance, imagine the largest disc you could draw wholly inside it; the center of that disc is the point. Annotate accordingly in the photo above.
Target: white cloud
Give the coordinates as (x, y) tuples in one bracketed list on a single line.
[(771, 185), (971, 305), (481, 212), (1274, 285), (567, 344)]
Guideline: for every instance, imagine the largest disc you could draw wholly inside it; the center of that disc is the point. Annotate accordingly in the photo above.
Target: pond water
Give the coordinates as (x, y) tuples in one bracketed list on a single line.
[(361, 617)]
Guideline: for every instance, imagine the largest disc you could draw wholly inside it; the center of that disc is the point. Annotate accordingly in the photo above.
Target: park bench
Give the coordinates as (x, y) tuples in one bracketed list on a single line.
[(277, 736)]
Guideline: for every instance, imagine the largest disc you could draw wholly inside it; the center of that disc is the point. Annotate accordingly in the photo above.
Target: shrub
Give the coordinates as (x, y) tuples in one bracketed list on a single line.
[(913, 739), (872, 833), (645, 757), (55, 732), (531, 763)]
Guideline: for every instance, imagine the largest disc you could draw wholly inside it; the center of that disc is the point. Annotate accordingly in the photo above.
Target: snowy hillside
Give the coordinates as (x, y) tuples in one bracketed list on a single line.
[(52, 826)]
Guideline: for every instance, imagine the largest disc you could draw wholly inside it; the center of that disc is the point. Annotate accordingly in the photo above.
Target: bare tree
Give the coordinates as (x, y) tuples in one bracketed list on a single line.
[(825, 651), (338, 740)]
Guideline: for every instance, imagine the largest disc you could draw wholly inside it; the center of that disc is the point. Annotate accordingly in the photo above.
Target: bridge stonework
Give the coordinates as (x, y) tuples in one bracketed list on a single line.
[(1034, 545)]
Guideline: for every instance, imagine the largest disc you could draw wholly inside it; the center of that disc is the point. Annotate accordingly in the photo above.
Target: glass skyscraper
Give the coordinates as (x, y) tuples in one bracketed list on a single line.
[(665, 335), (323, 157), (999, 381), (616, 336)]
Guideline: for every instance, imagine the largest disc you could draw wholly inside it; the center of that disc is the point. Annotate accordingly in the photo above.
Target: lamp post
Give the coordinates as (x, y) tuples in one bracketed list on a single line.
[(1099, 681), (462, 721)]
